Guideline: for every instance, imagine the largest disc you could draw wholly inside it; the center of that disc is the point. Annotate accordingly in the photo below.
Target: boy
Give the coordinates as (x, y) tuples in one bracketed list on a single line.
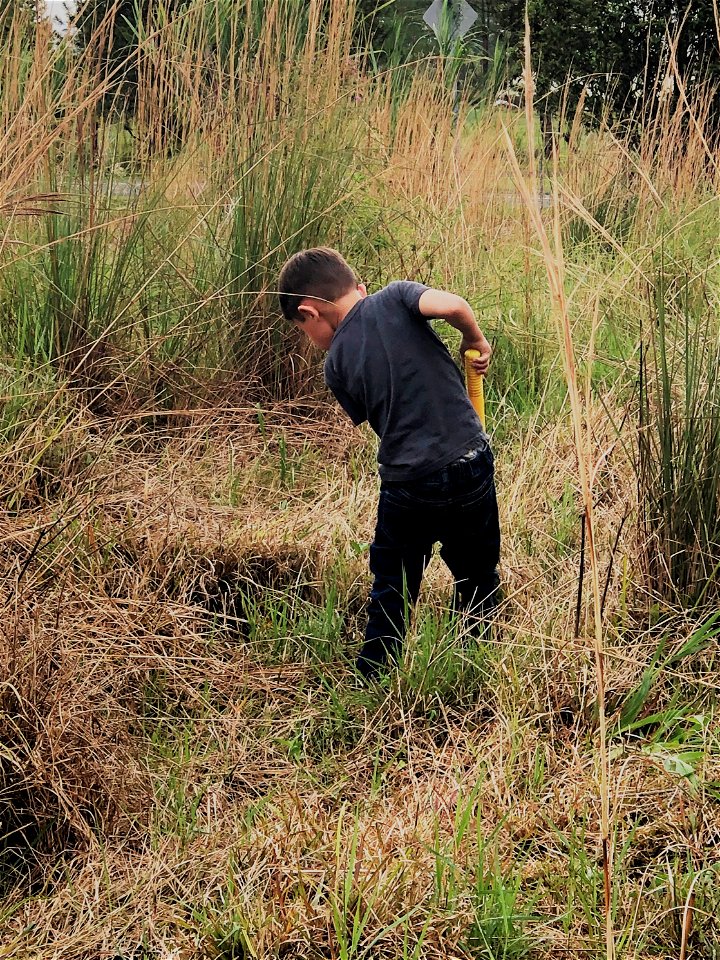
[(386, 365)]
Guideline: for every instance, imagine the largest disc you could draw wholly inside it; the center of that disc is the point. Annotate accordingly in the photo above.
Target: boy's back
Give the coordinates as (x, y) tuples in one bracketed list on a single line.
[(387, 365)]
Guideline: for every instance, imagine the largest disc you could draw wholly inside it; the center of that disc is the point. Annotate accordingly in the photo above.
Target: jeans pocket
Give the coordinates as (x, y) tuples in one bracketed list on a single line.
[(425, 491), (476, 481), (395, 507)]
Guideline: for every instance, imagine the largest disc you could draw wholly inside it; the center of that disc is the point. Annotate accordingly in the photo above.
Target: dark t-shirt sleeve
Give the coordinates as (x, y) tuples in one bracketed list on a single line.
[(410, 292), (351, 408)]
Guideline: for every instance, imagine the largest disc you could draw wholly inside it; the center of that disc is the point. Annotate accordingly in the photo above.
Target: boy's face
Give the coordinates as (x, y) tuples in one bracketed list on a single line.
[(320, 319), (318, 328)]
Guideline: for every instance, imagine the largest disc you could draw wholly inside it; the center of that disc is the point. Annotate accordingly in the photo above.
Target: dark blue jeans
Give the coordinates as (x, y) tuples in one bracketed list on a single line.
[(455, 506)]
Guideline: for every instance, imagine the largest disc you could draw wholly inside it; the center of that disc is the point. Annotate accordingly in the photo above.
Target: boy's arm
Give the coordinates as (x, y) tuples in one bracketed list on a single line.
[(440, 305)]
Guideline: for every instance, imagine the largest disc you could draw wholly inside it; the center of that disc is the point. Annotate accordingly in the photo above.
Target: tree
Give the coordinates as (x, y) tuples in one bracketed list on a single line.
[(610, 52), (109, 31), (396, 33), (607, 52), (393, 30), (650, 28), (23, 12)]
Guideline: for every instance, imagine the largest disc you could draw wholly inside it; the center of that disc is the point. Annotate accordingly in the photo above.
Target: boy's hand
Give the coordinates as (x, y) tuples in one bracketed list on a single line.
[(481, 363)]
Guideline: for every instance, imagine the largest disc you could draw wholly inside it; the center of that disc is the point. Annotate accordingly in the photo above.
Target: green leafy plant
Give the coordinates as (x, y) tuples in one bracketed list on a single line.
[(635, 701)]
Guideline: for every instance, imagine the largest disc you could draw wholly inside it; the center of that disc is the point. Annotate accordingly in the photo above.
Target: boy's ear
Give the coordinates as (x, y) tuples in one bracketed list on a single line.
[(362, 289), (307, 311)]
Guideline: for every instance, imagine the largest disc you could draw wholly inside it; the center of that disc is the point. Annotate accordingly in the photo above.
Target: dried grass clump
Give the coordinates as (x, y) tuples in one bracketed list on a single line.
[(228, 793), (121, 588), (286, 862), (70, 774)]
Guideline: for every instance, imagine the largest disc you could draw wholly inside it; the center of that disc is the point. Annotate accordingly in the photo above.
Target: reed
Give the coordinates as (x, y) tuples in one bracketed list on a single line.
[(677, 465), (552, 251)]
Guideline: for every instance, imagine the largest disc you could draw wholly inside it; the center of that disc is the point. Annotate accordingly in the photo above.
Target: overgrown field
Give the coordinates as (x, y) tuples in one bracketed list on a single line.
[(188, 768)]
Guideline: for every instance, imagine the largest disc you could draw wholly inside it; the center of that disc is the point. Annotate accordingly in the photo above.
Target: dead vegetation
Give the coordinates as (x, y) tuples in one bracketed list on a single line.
[(176, 723)]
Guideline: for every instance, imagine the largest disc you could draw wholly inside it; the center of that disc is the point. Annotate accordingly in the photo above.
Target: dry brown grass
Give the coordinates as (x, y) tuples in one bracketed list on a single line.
[(153, 744)]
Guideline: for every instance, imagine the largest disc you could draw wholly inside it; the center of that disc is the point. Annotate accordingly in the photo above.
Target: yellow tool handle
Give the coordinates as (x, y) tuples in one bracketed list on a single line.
[(474, 383)]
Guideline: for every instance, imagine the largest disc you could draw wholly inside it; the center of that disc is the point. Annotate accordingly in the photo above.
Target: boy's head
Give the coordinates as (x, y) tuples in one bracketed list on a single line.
[(317, 288)]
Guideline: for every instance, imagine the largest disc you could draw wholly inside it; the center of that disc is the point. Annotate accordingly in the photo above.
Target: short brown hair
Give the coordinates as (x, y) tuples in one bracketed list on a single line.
[(319, 272)]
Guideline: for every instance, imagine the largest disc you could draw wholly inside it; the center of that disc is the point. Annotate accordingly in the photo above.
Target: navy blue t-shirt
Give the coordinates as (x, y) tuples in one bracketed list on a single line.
[(387, 365)]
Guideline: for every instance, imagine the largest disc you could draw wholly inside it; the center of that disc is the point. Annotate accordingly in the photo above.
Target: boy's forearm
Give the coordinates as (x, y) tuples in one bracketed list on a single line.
[(453, 309), (459, 314), (463, 319)]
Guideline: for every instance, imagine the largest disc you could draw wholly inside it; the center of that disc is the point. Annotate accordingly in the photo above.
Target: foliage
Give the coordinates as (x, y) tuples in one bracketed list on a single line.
[(615, 59), (108, 32), (679, 439), (397, 25), (616, 55), (18, 11)]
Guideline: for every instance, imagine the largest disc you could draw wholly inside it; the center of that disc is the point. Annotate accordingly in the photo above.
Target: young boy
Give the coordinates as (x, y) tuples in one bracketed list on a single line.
[(386, 365)]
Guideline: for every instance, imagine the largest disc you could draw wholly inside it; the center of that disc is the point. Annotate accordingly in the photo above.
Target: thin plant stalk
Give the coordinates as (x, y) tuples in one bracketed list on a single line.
[(552, 251)]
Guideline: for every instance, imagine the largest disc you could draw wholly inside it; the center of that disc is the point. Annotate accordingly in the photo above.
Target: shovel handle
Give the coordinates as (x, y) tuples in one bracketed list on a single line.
[(474, 382)]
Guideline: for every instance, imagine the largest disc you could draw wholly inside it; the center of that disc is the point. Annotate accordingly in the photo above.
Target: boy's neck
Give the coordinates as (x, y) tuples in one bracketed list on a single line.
[(345, 304)]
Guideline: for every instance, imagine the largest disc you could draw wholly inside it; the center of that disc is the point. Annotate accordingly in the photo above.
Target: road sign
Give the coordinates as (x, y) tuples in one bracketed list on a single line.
[(463, 17)]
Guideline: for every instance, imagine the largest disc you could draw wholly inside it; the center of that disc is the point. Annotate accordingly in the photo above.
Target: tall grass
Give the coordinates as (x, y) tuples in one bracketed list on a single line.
[(676, 550), (553, 256), (186, 764), (271, 164), (678, 467)]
